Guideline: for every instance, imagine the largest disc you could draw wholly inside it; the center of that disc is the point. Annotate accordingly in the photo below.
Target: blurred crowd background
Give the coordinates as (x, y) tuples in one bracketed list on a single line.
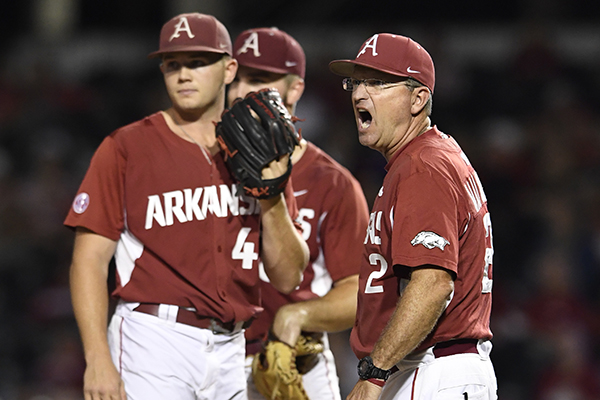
[(518, 85)]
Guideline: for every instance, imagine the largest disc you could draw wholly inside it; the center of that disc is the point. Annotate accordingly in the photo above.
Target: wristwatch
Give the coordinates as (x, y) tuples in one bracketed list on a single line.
[(366, 370)]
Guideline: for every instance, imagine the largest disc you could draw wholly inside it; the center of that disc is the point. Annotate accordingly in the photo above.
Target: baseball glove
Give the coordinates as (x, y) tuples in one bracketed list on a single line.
[(275, 372), (253, 132), (307, 348)]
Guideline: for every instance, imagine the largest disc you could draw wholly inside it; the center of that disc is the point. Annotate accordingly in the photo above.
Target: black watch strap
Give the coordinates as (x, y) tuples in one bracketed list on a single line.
[(366, 370)]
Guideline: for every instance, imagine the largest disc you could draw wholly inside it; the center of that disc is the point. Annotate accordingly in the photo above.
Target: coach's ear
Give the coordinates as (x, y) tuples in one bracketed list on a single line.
[(419, 98)]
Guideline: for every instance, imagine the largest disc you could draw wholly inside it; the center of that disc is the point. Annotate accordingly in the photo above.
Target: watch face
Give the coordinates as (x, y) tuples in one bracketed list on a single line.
[(363, 367), (367, 370)]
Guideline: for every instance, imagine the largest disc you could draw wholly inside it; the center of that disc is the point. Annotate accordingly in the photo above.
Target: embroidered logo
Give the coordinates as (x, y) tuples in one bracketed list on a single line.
[(81, 202), (251, 43), (182, 26), (430, 240), (370, 44)]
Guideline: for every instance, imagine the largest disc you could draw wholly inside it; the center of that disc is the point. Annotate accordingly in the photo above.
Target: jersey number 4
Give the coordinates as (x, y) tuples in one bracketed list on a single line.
[(243, 250), (486, 286)]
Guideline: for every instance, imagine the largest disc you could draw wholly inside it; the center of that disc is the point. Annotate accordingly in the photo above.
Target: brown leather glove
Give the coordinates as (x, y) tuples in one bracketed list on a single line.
[(275, 374)]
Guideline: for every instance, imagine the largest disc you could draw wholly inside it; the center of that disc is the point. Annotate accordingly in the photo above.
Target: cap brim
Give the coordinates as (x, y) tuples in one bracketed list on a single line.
[(342, 67), (267, 68), (346, 68), (187, 49)]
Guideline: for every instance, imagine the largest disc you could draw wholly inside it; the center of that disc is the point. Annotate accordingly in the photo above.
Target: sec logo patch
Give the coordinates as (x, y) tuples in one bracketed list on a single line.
[(81, 202)]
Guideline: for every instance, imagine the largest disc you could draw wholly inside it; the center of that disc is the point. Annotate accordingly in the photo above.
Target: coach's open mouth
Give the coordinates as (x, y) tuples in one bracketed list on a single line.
[(364, 118)]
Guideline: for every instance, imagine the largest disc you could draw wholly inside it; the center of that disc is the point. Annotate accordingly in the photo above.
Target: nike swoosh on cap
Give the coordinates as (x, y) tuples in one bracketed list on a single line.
[(300, 192), (290, 64), (412, 71)]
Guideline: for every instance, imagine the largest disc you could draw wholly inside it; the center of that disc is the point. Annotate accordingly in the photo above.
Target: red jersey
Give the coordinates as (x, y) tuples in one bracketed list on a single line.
[(334, 215), (432, 210), (185, 236)]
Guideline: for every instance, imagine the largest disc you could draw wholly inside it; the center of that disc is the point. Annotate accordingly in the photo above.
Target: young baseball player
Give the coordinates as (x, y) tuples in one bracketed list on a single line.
[(424, 299), (333, 213), (159, 199)]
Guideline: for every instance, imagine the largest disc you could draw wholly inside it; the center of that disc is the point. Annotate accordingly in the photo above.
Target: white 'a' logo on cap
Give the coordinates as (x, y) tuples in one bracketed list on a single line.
[(371, 44), (251, 42), (182, 26)]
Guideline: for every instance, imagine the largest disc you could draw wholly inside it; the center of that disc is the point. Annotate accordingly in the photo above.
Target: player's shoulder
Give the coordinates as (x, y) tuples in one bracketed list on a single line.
[(129, 138), (325, 179), (138, 127), (317, 162), (327, 176)]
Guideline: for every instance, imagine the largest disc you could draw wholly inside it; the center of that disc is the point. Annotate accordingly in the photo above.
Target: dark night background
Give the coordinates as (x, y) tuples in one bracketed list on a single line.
[(518, 85)]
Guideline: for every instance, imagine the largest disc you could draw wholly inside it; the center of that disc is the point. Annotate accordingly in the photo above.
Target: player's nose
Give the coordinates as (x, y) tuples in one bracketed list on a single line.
[(184, 73)]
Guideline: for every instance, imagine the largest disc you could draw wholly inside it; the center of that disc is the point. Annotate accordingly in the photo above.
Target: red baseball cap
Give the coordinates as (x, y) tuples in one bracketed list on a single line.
[(393, 54), (193, 32), (270, 49)]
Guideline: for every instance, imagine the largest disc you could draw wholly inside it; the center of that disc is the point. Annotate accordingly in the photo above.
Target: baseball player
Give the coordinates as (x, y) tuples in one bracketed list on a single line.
[(333, 212), (159, 199), (424, 299)]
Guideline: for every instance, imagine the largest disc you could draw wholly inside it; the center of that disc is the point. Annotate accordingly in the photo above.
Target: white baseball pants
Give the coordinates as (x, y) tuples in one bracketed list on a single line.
[(457, 377), (160, 359)]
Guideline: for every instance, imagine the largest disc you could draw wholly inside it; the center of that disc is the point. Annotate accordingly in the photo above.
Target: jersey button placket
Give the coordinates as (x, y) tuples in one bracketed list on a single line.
[(220, 259)]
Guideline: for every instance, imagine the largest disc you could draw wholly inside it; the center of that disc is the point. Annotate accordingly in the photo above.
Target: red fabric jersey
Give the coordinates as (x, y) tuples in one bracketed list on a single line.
[(184, 236), (334, 215), (432, 210)]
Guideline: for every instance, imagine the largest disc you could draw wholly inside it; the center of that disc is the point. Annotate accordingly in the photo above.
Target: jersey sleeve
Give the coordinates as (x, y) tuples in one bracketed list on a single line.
[(343, 229), (425, 223), (99, 203)]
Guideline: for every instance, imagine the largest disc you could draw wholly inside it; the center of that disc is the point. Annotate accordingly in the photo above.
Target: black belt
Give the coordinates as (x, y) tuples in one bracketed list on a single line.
[(451, 348), (187, 317)]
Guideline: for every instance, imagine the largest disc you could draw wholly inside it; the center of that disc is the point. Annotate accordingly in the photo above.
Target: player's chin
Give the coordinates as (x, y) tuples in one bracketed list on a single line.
[(189, 105)]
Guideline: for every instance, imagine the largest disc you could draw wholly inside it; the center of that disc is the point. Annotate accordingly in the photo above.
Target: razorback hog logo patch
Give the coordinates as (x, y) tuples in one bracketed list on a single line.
[(430, 240)]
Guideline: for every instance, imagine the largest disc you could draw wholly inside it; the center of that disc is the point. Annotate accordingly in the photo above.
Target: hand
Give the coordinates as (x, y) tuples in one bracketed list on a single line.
[(288, 323), (276, 168), (101, 381), (364, 390)]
